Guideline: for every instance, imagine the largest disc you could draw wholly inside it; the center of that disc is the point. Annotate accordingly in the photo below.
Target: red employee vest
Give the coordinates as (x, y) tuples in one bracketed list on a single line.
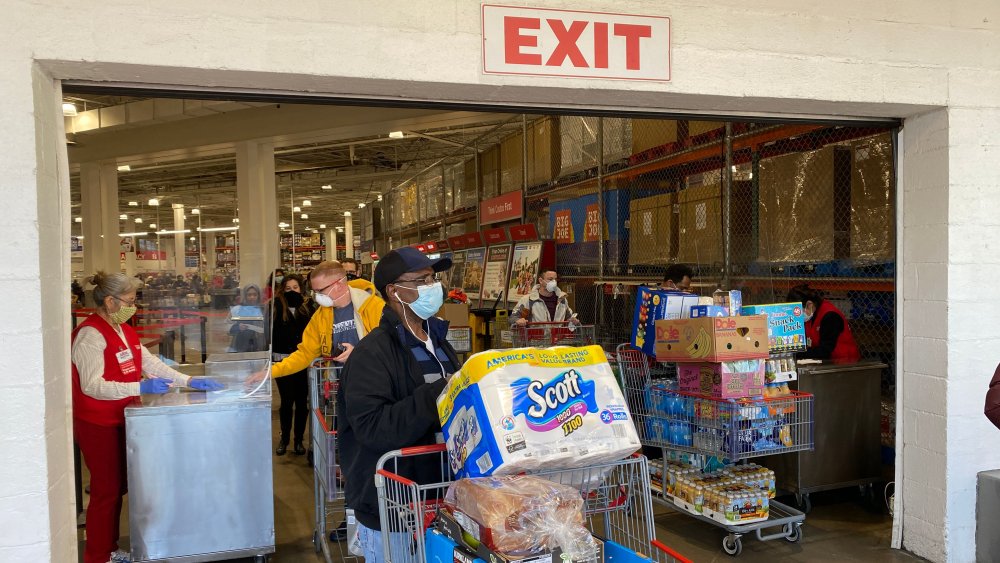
[(847, 348), (118, 366)]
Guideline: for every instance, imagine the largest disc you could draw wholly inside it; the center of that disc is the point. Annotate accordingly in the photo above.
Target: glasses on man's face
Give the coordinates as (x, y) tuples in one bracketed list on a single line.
[(316, 291), (429, 279), (123, 302)]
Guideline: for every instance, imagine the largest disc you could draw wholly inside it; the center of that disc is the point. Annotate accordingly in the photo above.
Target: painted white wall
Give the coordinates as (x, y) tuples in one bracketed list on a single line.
[(851, 57)]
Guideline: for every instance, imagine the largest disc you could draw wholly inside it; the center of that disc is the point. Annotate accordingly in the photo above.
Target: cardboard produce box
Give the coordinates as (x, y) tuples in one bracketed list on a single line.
[(654, 304), (711, 339), (651, 223), (512, 163), (650, 133), (455, 313), (700, 233), (543, 151), (725, 380), (873, 226), (786, 325), (796, 207)]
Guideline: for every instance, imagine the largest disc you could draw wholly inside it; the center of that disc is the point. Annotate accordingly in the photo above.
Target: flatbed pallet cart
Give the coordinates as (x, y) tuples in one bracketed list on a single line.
[(328, 489), (617, 506), (715, 432)]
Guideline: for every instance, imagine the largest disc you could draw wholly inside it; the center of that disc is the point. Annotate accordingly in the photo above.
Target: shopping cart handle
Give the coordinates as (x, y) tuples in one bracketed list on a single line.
[(420, 450), (680, 558)]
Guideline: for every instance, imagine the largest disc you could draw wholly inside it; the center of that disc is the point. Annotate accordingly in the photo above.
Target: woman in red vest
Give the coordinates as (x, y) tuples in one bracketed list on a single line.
[(828, 334), (108, 364)]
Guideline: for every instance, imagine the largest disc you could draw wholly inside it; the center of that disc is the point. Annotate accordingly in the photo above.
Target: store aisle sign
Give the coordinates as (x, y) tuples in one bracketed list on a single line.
[(508, 207), (570, 43)]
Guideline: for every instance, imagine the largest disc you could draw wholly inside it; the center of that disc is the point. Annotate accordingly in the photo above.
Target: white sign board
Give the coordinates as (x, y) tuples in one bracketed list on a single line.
[(569, 43)]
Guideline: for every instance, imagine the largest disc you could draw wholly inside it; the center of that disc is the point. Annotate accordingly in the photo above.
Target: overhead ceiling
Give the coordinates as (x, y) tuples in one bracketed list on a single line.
[(359, 162)]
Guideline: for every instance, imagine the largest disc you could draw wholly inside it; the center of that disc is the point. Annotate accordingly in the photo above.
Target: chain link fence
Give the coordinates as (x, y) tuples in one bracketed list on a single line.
[(759, 207)]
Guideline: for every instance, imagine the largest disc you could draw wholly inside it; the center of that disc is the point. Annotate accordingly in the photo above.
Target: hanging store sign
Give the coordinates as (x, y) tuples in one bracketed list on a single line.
[(523, 232), (456, 243), (495, 236), (562, 230), (569, 43), (592, 226), (508, 207)]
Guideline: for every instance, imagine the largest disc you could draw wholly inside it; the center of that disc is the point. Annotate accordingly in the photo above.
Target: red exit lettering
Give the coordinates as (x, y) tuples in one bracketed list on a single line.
[(517, 37)]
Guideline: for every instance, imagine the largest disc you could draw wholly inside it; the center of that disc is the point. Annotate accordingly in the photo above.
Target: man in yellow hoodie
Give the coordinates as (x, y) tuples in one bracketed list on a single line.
[(345, 316)]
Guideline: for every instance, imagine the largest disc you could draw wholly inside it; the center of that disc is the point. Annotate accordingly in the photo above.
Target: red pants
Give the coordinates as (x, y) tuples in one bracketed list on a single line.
[(103, 449)]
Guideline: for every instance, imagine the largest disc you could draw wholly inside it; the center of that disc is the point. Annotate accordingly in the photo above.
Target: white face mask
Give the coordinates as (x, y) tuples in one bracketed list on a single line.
[(323, 300), (550, 286)]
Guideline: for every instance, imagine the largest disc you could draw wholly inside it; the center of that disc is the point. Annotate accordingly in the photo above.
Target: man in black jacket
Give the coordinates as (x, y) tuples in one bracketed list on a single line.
[(389, 389)]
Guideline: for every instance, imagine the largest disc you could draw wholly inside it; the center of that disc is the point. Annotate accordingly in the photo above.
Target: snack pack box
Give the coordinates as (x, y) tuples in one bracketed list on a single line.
[(786, 325), (726, 380), (526, 409), (653, 304), (711, 339)]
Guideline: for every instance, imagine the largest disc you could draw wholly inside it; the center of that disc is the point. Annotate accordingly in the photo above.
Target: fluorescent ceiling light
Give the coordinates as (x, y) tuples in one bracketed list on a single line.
[(80, 237), (69, 110), (347, 214), (196, 211), (133, 204), (178, 232), (153, 202), (282, 224), (152, 225), (78, 220), (124, 168), (340, 229), (322, 225), (306, 203), (304, 216), (361, 205), (138, 219), (236, 220), (216, 229), (123, 216), (296, 209), (140, 234), (327, 187), (380, 197), (396, 135), (192, 238)]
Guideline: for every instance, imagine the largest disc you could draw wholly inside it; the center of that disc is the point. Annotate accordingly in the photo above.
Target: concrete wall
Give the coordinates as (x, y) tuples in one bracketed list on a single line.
[(851, 57)]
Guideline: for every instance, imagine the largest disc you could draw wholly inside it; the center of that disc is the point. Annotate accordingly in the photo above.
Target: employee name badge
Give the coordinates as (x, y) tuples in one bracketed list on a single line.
[(126, 361)]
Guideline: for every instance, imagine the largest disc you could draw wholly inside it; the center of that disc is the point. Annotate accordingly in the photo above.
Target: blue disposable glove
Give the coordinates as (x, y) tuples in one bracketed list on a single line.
[(205, 385), (156, 385)]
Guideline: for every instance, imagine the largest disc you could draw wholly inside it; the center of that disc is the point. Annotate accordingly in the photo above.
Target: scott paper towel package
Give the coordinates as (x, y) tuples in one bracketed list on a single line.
[(528, 409)]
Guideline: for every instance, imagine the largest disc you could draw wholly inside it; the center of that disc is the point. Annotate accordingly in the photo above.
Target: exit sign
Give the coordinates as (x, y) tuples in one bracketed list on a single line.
[(569, 43)]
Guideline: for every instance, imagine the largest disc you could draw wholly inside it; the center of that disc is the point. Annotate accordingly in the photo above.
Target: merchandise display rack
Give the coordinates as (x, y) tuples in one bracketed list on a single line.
[(715, 434)]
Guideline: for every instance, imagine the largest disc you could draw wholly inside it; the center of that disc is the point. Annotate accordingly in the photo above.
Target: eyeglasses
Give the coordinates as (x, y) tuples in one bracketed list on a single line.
[(429, 279), (128, 303), (329, 286)]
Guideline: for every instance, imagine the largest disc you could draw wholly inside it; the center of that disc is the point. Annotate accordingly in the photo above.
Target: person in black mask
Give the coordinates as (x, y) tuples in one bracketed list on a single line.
[(354, 278), (290, 313)]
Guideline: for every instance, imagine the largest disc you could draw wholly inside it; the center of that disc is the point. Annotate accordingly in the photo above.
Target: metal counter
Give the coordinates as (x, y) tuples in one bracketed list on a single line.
[(199, 470), (847, 432)]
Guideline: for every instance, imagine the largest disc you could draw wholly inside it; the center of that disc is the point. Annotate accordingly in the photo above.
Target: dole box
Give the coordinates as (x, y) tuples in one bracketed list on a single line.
[(712, 339), (529, 409), (786, 325)]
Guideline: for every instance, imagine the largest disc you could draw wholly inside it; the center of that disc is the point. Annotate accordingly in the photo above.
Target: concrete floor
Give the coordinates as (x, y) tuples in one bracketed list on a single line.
[(839, 528)]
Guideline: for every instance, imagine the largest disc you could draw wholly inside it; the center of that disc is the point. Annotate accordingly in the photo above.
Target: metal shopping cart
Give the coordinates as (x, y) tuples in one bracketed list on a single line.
[(328, 493), (617, 505), (730, 429), (543, 335)]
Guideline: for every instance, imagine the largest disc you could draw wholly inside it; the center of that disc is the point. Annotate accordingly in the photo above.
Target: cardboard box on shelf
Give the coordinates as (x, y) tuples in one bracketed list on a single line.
[(786, 325), (578, 142), (651, 226), (796, 207), (650, 133), (489, 166), (455, 313), (700, 233), (512, 163), (652, 305), (543, 151), (873, 229), (725, 380), (711, 339)]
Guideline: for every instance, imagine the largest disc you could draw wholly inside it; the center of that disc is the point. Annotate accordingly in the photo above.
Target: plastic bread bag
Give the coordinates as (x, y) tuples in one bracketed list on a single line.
[(522, 515)]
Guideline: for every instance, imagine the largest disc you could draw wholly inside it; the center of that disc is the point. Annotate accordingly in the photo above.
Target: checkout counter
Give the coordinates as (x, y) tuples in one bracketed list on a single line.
[(847, 412), (199, 468)]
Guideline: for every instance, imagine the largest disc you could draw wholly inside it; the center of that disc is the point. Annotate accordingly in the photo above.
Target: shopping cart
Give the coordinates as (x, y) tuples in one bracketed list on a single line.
[(543, 335), (710, 428), (328, 492), (617, 505)]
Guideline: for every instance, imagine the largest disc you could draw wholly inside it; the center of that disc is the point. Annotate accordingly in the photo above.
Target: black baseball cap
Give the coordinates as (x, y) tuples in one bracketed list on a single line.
[(404, 260)]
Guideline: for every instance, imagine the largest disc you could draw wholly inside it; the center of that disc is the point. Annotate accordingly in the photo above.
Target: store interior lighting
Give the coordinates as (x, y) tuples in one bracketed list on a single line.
[(327, 187), (304, 216), (153, 202), (124, 168), (133, 204), (340, 229), (177, 232), (192, 239), (138, 219), (196, 211), (296, 209), (152, 225), (236, 220), (396, 135), (135, 234), (282, 225), (123, 216), (306, 203), (361, 205), (218, 229), (78, 220), (69, 110), (380, 197), (322, 225), (347, 214)]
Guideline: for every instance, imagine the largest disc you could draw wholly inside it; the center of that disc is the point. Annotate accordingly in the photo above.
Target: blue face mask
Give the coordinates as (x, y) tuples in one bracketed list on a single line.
[(428, 302)]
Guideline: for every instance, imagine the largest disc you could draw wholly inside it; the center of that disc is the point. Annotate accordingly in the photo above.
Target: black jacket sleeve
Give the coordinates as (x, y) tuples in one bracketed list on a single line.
[(380, 420), (830, 327)]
